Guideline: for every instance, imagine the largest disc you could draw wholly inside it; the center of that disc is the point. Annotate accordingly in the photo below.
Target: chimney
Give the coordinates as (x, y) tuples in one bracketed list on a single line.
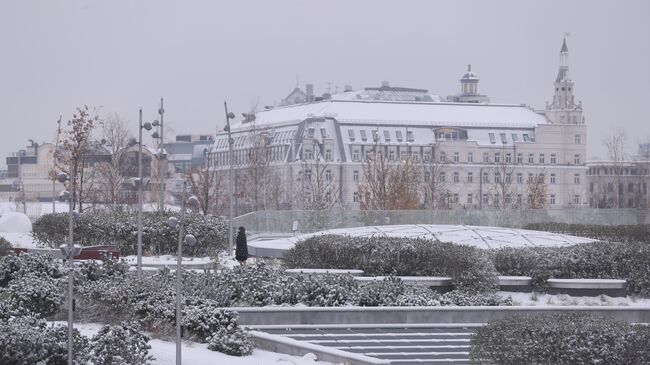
[(385, 84), (309, 90), (347, 88)]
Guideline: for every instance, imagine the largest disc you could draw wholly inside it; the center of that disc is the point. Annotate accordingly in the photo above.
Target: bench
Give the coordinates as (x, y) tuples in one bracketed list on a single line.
[(522, 284), (296, 272), (441, 284), (587, 287)]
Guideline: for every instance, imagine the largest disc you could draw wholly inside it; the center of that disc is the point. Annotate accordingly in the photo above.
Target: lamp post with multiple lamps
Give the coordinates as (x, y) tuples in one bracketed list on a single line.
[(231, 142), (56, 147), (69, 251), (161, 156), (188, 239)]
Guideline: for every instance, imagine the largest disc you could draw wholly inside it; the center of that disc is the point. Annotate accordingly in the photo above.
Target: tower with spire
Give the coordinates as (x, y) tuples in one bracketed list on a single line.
[(563, 109)]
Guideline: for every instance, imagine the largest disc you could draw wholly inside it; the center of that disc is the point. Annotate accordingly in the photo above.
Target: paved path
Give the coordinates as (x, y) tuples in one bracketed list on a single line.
[(402, 345)]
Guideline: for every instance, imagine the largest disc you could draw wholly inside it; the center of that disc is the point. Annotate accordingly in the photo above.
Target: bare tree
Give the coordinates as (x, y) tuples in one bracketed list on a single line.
[(320, 191), (110, 179), (206, 185), (76, 146), (389, 185), (503, 186), (615, 145), (537, 190), (436, 183)]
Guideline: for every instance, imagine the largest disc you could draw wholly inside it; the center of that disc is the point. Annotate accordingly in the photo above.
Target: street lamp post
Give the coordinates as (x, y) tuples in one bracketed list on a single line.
[(139, 185), (161, 154), (70, 251), (190, 240), (231, 142)]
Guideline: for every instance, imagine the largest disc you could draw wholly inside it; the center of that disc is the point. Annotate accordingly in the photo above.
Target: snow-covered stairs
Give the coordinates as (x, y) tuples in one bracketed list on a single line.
[(402, 345)]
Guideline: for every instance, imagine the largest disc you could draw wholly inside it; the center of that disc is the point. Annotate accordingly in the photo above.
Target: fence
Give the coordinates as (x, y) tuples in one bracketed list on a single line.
[(313, 221)]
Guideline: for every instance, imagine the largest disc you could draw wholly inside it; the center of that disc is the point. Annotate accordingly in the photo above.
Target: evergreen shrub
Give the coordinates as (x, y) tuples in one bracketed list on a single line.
[(560, 339)]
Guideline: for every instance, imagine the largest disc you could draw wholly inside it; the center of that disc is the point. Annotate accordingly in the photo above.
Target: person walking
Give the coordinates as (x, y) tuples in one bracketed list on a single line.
[(241, 250)]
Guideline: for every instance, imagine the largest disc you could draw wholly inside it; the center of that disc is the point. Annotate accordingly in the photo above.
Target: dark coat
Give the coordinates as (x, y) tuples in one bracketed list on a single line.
[(241, 250)]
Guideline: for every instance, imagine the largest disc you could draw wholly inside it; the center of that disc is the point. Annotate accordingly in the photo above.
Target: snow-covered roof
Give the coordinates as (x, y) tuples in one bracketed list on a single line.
[(477, 236), (402, 113)]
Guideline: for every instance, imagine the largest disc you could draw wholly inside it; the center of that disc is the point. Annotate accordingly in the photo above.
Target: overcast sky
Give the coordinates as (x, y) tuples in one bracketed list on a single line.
[(122, 55)]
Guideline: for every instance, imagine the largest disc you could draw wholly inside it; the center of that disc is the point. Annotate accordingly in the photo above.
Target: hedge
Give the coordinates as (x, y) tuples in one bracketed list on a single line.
[(470, 267), (622, 233), (120, 229), (561, 339)]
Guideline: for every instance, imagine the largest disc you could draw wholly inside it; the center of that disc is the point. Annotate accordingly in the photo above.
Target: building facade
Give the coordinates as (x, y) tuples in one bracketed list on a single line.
[(480, 154)]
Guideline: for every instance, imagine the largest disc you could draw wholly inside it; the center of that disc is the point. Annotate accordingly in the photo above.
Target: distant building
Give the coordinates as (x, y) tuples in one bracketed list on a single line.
[(188, 151), (471, 138)]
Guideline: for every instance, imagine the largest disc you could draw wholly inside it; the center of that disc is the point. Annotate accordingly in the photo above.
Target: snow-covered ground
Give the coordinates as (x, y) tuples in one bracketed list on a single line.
[(164, 353), (541, 300)]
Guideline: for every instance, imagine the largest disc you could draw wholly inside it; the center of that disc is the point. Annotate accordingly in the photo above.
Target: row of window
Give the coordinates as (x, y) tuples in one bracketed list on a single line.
[(399, 137), (496, 157), (631, 188), (245, 156), (617, 171), (487, 199), (442, 177)]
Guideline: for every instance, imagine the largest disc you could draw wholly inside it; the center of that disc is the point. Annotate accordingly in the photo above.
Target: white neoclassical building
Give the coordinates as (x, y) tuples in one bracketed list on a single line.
[(474, 145)]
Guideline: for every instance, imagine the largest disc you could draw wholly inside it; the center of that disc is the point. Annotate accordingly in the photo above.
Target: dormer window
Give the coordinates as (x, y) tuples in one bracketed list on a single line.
[(310, 133), (351, 134), (398, 134), (364, 137), (409, 136), (323, 132), (493, 139), (503, 138), (526, 137), (387, 136)]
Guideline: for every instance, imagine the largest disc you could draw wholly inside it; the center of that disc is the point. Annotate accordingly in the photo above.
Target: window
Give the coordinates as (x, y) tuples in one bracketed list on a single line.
[(456, 157), (310, 133), (427, 176), (427, 157), (485, 177), (391, 155), (351, 134), (508, 157), (497, 177), (493, 140), (355, 155), (309, 154), (514, 137), (368, 155), (530, 158), (553, 160), (364, 137), (328, 175), (486, 157), (503, 138), (508, 199), (520, 178), (551, 199), (496, 199), (470, 157), (387, 136), (409, 136), (576, 199), (355, 175), (497, 157), (552, 178), (323, 132), (530, 178), (443, 156), (576, 159), (520, 158), (470, 177), (355, 197), (328, 197), (456, 177), (375, 136), (308, 175), (630, 187), (519, 199), (577, 138), (328, 155), (455, 198), (441, 177), (485, 198), (541, 158), (526, 137), (398, 134), (469, 199), (576, 178), (508, 178)]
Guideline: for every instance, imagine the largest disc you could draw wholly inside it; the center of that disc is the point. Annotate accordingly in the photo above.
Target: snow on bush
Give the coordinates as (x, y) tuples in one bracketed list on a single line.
[(202, 321), (470, 267), (26, 340), (36, 294), (110, 266), (15, 223), (121, 344), (120, 229), (13, 266), (621, 233), (5, 246), (560, 339), (231, 342)]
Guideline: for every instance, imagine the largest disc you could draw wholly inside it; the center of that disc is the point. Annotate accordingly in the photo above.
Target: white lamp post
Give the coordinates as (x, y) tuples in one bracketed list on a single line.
[(139, 185), (190, 240), (231, 142)]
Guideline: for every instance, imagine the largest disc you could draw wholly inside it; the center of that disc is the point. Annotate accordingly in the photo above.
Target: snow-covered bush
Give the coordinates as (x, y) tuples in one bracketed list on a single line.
[(26, 340), (201, 321), (110, 266), (35, 294), (393, 292), (13, 266), (120, 229), (234, 342), (121, 344), (559, 339), (5, 246), (463, 298), (621, 233), (470, 267)]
